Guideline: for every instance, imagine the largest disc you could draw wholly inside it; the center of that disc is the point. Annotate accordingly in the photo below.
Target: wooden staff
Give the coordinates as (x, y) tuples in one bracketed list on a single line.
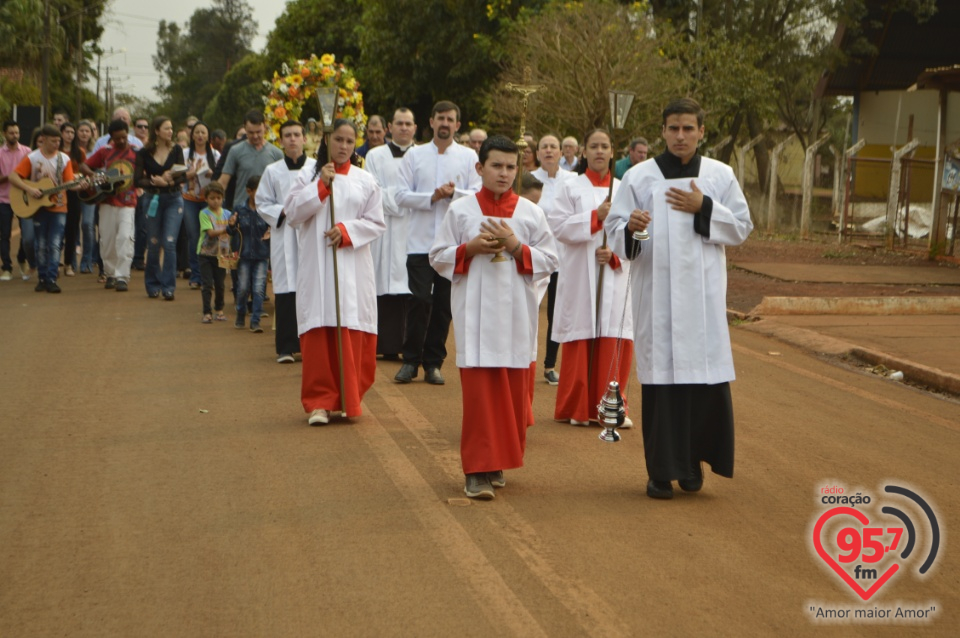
[(336, 291)]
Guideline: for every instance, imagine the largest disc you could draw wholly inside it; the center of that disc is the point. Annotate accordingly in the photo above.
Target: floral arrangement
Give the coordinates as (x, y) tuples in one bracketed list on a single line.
[(294, 84)]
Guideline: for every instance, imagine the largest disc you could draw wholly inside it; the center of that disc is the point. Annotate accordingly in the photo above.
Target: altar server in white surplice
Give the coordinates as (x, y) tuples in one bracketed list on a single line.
[(550, 175), (596, 349), (692, 207), (390, 251), (359, 217), (431, 177), (275, 185), (495, 313)]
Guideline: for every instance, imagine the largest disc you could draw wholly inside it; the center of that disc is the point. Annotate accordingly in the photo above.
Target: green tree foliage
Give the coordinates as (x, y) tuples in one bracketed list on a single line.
[(241, 90), (578, 52), (22, 39), (417, 52), (193, 62), (316, 26)]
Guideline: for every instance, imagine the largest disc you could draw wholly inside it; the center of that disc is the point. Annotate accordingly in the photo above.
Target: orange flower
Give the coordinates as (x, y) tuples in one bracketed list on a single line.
[(280, 112), (305, 72), (294, 91)]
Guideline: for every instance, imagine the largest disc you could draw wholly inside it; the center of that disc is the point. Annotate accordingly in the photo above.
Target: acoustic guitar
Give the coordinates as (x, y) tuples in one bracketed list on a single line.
[(25, 206), (104, 184)]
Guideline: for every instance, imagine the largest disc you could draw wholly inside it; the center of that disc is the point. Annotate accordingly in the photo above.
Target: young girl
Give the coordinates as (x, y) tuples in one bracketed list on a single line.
[(88, 225), (213, 241), (359, 217), (589, 337)]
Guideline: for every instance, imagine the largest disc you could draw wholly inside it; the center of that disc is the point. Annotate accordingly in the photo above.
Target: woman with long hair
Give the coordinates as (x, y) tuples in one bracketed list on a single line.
[(88, 212), (154, 174), (551, 176), (71, 233), (589, 308), (355, 196), (201, 158)]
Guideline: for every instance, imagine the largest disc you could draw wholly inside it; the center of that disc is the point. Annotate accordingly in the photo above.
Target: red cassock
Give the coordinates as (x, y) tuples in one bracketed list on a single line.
[(494, 307)]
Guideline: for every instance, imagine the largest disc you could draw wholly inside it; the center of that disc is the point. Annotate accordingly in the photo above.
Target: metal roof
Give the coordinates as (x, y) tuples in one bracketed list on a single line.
[(905, 49)]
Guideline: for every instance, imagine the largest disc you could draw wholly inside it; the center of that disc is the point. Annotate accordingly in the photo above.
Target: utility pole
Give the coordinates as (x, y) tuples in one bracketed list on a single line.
[(80, 67), (45, 81)]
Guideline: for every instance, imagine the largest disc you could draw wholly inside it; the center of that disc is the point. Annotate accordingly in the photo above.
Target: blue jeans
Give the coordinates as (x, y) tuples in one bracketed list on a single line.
[(251, 277), (26, 238), (48, 231), (191, 221), (88, 228), (162, 231)]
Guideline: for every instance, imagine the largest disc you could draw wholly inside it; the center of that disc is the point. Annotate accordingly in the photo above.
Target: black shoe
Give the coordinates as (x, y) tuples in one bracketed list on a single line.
[(692, 484), (407, 373), (111, 283), (52, 286), (40, 287), (121, 286), (154, 294), (659, 489), (391, 357), (168, 296), (433, 376)]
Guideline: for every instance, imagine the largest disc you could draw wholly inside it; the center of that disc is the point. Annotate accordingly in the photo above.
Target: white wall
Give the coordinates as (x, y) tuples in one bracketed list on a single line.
[(878, 114)]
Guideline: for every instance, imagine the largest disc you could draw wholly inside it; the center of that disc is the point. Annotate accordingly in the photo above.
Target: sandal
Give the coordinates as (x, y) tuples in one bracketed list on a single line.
[(221, 316), (101, 278), (206, 319)]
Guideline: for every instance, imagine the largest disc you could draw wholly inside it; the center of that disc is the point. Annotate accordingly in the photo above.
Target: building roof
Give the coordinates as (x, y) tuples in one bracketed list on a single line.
[(904, 49)]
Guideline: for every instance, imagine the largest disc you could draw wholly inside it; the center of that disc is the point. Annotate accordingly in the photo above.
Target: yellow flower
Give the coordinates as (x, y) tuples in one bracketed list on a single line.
[(352, 84), (327, 58)]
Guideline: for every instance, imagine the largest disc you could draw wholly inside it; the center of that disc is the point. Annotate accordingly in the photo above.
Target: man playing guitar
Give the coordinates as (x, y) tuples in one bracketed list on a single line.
[(118, 208)]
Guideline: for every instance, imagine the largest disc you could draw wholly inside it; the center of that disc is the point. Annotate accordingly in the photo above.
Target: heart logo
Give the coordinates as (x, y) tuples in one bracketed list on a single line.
[(854, 585)]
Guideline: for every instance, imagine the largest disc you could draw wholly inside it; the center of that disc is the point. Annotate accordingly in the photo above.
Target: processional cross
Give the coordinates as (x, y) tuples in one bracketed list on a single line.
[(525, 90)]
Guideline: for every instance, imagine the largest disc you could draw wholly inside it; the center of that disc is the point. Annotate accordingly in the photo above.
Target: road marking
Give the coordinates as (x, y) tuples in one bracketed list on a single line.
[(592, 612), (846, 387), (493, 595)]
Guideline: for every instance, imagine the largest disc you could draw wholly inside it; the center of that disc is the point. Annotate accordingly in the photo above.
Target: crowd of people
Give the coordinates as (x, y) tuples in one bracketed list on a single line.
[(373, 250)]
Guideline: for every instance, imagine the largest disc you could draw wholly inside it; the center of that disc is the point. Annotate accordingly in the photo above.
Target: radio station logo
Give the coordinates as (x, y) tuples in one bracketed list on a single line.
[(868, 542)]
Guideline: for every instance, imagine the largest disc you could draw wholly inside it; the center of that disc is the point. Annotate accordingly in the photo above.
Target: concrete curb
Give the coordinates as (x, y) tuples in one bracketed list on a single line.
[(816, 342), (933, 377), (771, 306)]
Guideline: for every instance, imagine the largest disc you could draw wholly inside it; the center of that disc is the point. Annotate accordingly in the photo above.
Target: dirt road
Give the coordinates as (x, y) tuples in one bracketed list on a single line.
[(157, 478)]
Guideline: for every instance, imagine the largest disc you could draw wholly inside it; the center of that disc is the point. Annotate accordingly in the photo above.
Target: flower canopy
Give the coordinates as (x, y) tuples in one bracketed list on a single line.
[(294, 84)]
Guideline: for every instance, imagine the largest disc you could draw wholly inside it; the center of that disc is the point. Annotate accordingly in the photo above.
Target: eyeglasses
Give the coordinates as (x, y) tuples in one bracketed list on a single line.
[(143, 126)]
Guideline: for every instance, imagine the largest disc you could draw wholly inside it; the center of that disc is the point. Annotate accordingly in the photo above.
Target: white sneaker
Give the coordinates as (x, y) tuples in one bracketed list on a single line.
[(318, 417), (25, 271), (580, 423), (627, 424), (6, 275), (286, 358)]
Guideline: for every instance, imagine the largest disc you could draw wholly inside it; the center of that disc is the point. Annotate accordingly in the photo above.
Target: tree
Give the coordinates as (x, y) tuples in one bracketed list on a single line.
[(417, 52), (754, 63), (579, 51), (241, 90), (193, 63), (316, 27)]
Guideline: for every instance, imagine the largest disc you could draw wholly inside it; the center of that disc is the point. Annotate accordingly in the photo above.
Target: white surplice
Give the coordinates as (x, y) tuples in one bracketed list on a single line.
[(495, 309), (575, 312), (679, 279), (358, 207), (275, 184), (390, 250), (423, 170)]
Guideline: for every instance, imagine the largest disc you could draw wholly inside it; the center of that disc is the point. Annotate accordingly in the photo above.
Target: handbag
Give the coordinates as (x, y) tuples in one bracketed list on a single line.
[(229, 258)]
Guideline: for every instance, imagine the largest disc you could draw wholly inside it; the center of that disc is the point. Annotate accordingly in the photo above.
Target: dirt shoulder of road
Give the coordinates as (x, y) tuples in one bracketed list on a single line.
[(747, 289)]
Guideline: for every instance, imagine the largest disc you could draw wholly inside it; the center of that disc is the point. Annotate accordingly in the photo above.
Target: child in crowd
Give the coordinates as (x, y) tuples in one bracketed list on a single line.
[(254, 252), (214, 241)]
